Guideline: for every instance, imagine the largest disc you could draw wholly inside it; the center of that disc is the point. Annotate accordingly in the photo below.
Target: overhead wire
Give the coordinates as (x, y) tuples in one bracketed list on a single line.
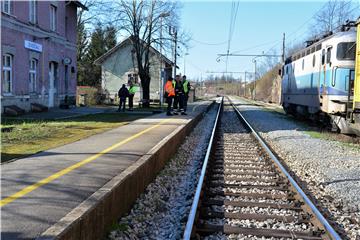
[(233, 16), (206, 43)]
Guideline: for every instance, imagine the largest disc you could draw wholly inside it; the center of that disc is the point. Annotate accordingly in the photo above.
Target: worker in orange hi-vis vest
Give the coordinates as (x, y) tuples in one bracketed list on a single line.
[(169, 94)]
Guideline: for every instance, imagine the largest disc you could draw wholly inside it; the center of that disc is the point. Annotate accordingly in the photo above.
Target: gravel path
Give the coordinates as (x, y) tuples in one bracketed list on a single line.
[(330, 170), (161, 213)]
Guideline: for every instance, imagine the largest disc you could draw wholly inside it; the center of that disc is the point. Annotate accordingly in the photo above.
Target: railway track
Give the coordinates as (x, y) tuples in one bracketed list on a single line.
[(244, 192)]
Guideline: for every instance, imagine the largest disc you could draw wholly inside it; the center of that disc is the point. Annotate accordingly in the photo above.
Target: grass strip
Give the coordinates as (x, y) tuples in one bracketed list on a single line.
[(28, 137)]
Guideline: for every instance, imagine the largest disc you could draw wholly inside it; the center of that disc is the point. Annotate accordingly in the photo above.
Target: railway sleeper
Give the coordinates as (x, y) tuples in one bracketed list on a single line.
[(251, 173), (281, 187), (210, 202), (207, 229), (268, 168), (300, 218), (277, 180), (252, 195), (243, 181), (238, 163)]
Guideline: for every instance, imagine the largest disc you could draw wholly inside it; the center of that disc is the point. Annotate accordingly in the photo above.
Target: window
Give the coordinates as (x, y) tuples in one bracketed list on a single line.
[(323, 57), (32, 75), (66, 78), (308, 51), (328, 55), (53, 18), (312, 50), (33, 11), (7, 73), (318, 47), (303, 64), (314, 60), (346, 51), (6, 6), (133, 78)]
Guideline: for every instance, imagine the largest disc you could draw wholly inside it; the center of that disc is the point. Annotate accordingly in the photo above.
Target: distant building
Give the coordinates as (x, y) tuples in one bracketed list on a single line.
[(117, 67), (38, 47)]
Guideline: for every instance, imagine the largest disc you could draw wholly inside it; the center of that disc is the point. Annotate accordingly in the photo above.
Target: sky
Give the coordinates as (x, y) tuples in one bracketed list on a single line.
[(257, 23)]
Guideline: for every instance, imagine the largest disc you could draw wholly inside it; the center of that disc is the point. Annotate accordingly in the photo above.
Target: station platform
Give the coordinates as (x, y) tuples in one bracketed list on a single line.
[(39, 190)]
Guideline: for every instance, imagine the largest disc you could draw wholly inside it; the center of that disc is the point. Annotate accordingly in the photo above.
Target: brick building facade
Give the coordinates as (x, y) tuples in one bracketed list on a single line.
[(38, 48)]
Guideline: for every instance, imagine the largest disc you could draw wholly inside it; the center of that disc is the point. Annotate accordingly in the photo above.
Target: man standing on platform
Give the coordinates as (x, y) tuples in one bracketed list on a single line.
[(186, 86), (179, 96), (123, 94), (169, 94), (132, 91)]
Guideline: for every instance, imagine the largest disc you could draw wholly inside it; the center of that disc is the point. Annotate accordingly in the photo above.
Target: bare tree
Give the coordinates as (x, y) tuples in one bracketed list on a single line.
[(332, 16), (142, 21), (87, 20)]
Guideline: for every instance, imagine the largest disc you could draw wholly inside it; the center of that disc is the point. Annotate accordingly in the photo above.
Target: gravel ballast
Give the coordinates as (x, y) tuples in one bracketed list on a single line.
[(328, 169), (162, 211)]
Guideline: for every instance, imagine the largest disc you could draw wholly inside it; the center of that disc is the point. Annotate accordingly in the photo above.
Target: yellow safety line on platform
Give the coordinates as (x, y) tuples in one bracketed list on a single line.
[(51, 178)]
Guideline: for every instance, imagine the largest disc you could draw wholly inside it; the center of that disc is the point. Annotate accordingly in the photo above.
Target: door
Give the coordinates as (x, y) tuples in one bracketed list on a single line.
[(351, 85), (52, 77)]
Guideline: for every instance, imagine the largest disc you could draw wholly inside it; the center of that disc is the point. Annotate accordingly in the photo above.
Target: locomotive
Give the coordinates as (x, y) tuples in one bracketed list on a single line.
[(318, 82)]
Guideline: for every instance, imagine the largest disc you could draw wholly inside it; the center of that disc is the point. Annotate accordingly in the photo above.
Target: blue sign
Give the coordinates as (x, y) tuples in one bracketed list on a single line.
[(33, 46)]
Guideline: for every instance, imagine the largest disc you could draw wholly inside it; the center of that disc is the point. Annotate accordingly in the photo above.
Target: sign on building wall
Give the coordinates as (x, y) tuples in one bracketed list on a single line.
[(33, 46)]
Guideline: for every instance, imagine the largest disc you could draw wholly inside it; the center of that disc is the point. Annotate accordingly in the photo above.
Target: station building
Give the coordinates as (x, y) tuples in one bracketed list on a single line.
[(38, 48), (118, 66)]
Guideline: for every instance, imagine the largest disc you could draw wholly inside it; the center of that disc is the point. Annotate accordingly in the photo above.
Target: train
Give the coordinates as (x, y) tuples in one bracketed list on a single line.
[(322, 81)]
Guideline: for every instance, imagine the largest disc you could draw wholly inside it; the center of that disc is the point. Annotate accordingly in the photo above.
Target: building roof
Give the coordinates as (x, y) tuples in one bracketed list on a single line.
[(101, 59), (78, 4)]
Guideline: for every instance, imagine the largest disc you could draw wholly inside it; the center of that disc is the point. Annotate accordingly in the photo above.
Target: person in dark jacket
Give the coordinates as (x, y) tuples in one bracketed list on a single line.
[(179, 96), (123, 94)]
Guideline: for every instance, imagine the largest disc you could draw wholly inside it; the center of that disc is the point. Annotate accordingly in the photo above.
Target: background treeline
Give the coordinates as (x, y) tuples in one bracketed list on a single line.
[(91, 45)]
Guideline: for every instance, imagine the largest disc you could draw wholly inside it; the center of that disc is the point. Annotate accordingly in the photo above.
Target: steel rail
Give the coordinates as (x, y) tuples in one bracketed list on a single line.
[(313, 208), (194, 206)]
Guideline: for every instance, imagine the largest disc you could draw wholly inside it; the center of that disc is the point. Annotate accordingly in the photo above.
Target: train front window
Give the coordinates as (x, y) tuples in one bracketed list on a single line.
[(346, 51)]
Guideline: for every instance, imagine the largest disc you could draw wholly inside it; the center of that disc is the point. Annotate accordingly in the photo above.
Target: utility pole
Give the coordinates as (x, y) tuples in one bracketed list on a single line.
[(283, 49), (186, 54), (162, 72), (254, 91), (245, 85), (175, 37), (173, 32)]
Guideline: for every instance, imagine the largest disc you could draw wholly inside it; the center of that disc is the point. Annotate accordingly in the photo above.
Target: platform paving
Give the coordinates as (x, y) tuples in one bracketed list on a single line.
[(33, 212)]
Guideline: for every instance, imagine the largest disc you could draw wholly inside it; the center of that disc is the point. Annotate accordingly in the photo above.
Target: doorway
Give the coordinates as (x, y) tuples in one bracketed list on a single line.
[(52, 78)]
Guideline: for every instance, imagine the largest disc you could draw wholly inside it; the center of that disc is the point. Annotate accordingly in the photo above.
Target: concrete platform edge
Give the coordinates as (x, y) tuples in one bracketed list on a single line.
[(92, 218)]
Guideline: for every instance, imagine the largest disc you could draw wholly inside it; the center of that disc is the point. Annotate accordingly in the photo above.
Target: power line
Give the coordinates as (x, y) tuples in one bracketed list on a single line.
[(233, 15), (299, 28), (206, 43), (256, 46)]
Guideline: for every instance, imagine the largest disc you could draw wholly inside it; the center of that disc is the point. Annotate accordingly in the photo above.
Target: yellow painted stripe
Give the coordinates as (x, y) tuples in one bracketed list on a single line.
[(60, 173)]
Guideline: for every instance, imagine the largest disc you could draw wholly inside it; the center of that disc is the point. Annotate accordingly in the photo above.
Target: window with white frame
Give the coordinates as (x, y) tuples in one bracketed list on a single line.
[(6, 6), (32, 75), (52, 18), (33, 11), (7, 72)]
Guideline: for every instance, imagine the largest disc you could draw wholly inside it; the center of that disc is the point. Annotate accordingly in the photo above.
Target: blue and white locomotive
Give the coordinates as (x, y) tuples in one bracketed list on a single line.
[(318, 81)]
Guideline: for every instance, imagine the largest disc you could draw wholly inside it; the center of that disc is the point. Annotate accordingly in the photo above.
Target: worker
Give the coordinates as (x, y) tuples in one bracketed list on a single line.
[(123, 94), (169, 94), (179, 96), (186, 86), (132, 91)]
